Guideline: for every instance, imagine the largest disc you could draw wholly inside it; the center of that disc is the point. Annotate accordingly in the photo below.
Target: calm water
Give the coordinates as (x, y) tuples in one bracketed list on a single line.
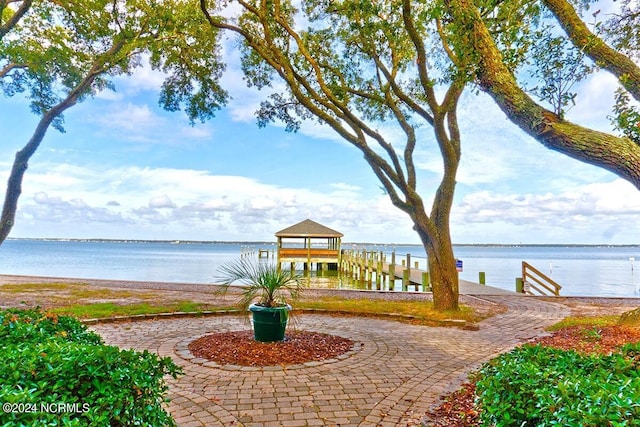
[(600, 271)]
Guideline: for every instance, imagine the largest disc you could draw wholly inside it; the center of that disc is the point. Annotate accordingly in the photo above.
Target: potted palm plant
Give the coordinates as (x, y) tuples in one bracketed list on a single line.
[(266, 292)]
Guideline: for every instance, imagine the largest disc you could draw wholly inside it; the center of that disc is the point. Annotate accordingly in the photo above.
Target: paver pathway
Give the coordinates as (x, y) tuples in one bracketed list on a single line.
[(393, 377)]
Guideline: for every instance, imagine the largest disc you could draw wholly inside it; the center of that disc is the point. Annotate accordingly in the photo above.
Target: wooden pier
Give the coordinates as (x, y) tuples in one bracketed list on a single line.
[(379, 271), (374, 269)]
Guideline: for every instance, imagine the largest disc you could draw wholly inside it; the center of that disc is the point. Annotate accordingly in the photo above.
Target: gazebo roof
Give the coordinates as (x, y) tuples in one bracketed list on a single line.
[(308, 228)]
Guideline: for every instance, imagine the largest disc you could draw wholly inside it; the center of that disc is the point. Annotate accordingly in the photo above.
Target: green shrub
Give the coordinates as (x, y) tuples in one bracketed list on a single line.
[(34, 325), (58, 381), (542, 386)]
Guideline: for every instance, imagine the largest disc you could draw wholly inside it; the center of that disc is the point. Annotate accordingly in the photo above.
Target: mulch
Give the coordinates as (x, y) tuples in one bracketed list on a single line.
[(240, 348)]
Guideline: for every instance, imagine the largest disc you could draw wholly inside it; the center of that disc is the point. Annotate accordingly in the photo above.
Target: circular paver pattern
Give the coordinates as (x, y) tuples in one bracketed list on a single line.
[(396, 372)]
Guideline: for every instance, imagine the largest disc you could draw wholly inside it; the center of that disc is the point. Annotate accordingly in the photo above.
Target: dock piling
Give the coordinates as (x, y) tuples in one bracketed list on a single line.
[(426, 284)]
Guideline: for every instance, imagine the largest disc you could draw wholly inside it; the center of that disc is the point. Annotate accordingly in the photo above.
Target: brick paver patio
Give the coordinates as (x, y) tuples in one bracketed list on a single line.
[(396, 372)]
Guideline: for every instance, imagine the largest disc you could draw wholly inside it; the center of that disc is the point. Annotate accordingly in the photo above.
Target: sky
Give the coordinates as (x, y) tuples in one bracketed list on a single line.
[(126, 169)]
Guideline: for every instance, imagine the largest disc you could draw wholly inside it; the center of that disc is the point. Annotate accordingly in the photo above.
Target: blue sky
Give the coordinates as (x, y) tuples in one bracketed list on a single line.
[(126, 169)]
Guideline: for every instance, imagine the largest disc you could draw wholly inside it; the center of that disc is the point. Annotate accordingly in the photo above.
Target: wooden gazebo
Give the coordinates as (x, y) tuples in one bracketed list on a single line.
[(309, 242)]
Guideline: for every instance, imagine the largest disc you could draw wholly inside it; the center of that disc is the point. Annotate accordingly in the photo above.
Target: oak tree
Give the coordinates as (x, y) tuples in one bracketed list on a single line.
[(363, 69), (58, 54)]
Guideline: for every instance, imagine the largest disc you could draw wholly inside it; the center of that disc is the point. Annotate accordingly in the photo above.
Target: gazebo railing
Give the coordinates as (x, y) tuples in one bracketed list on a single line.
[(307, 252)]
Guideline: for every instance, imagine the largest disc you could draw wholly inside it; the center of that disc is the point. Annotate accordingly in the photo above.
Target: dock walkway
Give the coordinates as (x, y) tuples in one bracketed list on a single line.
[(465, 287), (373, 268)]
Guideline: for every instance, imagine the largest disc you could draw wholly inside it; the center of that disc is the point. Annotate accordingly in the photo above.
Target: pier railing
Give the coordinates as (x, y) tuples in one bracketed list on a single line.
[(534, 280), (308, 252), (374, 266)]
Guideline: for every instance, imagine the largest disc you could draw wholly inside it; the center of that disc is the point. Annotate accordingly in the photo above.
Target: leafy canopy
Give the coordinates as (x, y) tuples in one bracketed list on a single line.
[(56, 47)]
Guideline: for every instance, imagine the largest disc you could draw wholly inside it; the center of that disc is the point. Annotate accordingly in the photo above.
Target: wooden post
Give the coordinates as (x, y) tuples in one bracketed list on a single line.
[(519, 285), (365, 266), (392, 271), (426, 285), (353, 264), (344, 264), (379, 272), (407, 274), (482, 278)]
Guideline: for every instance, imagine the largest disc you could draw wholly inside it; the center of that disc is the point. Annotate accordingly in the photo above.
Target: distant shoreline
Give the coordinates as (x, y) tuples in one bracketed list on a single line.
[(344, 244)]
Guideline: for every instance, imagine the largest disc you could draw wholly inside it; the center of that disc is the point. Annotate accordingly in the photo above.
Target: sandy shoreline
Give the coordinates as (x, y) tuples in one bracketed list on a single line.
[(114, 283), (173, 291), (136, 291)]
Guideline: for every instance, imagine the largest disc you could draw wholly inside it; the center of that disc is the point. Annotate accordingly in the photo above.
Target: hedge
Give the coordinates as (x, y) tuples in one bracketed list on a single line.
[(55, 372), (535, 385)]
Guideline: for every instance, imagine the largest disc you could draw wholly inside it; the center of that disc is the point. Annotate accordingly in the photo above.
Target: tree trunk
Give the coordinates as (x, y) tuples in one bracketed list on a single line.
[(21, 162), (20, 165), (436, 238), (443, 275)]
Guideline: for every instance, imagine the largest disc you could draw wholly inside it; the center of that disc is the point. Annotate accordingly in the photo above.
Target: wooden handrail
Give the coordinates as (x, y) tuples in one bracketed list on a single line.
[(538, 281), (288, 252)]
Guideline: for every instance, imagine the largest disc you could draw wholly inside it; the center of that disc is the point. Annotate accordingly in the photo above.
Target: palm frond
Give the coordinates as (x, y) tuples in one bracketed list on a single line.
[(262, 281)]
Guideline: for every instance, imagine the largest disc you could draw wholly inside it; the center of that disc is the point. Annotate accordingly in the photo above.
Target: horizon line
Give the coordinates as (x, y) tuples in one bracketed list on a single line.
[(187, 241)]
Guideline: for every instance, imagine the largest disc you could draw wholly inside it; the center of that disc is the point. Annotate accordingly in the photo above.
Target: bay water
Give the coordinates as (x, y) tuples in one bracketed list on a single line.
[(612, 271)]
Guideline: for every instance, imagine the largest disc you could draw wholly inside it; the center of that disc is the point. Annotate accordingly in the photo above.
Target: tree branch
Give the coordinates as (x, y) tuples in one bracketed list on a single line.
[(21, 161), (4, 72), (626, 71), (618, 155), (15, 18)]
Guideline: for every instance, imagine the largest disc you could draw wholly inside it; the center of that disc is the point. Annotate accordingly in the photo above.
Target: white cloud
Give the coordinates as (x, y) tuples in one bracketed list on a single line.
[(144, 78), (161, 202), (132, 202), (343, 186), (126, 203), (595, 101), (593, 213), (141, 125), (57, 209), (128, 118)]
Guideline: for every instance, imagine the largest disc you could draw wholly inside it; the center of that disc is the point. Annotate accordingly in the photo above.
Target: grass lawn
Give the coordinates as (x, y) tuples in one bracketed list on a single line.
[(94, 302), (416, 311)]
